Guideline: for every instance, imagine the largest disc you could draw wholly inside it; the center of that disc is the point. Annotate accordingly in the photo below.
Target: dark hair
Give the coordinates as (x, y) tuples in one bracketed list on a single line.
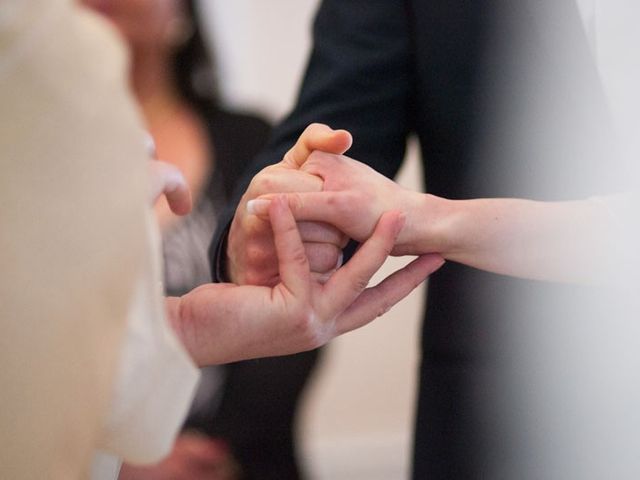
[(193, 65)]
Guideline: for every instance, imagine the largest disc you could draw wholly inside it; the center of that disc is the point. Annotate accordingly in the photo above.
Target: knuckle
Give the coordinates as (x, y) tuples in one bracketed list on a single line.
[(360, 284), (264, 182), (251, 277), (256, 255), (384, 308), (259, 276), (308, 329), (296, 204), (255, 228), (298, 256)]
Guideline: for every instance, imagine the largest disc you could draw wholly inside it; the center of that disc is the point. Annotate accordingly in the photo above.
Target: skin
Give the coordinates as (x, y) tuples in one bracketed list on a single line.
[(299, 313), (222, 323), (540, 240), (250, 254), (168, 180), (141, 22), (194, 457)]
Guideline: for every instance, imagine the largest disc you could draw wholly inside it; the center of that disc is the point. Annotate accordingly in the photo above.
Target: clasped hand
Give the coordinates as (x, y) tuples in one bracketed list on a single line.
[(296, 296), (332, 197)]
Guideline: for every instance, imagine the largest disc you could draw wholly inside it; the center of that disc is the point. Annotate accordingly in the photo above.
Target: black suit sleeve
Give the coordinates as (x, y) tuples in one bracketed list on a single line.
[(359, 77)]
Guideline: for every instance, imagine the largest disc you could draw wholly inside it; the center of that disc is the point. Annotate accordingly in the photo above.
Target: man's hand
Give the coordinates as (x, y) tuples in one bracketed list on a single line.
[(251, 249), (221, 323)]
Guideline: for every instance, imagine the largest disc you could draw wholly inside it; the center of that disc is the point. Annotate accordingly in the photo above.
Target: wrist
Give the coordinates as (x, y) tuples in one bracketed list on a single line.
[(427, 228)]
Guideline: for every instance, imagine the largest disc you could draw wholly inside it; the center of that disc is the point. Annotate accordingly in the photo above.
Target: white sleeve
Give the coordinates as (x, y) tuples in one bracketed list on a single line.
[(73, 249), (72, 235), (156, 378)]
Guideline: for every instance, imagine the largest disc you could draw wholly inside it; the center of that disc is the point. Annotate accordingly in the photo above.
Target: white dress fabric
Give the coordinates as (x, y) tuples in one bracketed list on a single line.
[(155, 383), (89, 362)]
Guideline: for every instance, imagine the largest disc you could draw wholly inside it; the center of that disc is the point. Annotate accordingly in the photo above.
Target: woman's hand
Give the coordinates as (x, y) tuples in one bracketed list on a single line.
[(352, 199), (221, 323), (167, 180)]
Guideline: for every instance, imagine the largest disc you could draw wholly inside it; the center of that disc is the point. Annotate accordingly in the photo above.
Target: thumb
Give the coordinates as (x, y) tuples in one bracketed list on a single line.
[(320, 137), (168, 180)]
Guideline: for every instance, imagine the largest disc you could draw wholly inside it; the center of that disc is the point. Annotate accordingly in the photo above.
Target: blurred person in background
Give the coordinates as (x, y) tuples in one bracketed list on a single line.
[(242, 421)]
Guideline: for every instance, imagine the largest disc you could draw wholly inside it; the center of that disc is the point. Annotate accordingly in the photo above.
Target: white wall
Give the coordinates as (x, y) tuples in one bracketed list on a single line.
[(261, 48), (358, 414)]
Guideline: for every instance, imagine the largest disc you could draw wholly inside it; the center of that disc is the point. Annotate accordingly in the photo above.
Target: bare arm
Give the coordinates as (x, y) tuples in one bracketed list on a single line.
[(560, 241)]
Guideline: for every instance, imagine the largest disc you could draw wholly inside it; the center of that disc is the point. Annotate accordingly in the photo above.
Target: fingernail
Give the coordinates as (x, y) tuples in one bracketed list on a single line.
[(258, 206), (340, 260)]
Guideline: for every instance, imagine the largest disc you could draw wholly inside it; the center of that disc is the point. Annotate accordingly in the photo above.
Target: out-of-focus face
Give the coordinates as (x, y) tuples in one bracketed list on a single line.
[(143, 23)]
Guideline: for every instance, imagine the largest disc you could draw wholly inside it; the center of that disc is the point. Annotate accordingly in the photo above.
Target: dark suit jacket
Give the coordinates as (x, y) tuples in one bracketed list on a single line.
[(436, 69)]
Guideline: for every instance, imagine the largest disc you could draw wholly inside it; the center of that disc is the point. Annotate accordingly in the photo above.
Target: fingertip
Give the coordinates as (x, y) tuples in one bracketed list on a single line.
[(436, 258), (185, 207), (180, 200), (396, 219), (432, 262), (344, 140), (258, 206), (334, 141)]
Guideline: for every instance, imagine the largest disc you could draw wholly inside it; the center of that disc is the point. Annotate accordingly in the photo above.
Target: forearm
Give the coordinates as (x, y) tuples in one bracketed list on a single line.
[(561, 241)]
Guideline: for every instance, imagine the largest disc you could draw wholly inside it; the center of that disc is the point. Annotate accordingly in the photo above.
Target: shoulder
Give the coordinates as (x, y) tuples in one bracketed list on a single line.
[(237, 138)]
